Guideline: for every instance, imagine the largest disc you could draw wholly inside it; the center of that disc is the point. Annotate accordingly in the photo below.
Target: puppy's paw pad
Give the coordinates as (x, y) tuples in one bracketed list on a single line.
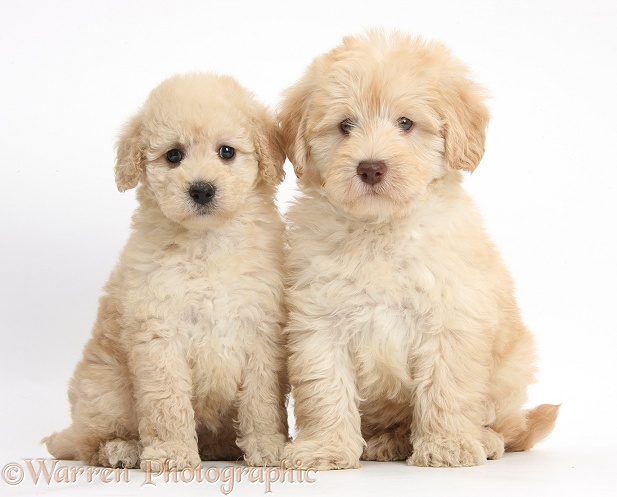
[(447, 453)]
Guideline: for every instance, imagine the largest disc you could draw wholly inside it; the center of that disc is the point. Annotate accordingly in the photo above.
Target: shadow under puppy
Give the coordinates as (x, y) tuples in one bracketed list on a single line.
[(404, 335), (186, 360)]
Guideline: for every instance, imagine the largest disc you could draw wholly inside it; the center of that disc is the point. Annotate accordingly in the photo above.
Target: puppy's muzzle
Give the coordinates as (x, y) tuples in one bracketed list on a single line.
[(202, 193), (371, 172)]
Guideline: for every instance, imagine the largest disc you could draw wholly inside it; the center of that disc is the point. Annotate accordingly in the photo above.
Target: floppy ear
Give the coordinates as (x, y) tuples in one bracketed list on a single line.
[(293, 125), (129, 154), (465, 119), (269, 145)]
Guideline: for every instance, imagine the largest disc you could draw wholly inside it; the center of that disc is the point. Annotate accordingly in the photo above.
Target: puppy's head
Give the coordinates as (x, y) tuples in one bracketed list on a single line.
[(200, 146), (378, 119)]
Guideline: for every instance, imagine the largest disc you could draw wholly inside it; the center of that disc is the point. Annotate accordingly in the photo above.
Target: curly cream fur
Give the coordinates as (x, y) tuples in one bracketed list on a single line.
[(404, 336), (186, 360)]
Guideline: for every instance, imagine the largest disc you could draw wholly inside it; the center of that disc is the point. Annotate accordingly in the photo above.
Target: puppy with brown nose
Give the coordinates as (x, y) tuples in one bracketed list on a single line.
[(405, 339)]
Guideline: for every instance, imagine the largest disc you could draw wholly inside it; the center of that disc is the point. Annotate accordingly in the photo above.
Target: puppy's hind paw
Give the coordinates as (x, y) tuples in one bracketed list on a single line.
[(120, 453), (447, 453), (387, 447), (311, 455), (493, 443), (266, 452), (169, 456)]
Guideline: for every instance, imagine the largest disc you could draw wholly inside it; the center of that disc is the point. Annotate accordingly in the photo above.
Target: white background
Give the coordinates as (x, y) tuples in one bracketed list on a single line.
[(72, 72)]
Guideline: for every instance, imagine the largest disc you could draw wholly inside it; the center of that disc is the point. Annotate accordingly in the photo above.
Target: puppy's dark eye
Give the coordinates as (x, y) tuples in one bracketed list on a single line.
[(174, 156), (405, 123), (347, 125), (227, 153)]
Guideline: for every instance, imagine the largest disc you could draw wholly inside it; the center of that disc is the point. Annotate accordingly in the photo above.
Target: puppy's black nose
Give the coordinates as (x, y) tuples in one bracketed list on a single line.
[(371, 172), (202, 193)]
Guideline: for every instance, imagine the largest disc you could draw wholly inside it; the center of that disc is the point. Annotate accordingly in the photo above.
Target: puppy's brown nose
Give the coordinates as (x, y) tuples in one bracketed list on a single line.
[(371, 172)]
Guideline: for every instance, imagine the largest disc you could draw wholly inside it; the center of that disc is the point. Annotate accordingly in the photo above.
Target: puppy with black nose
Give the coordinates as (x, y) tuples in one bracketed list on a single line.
[(186, 361)]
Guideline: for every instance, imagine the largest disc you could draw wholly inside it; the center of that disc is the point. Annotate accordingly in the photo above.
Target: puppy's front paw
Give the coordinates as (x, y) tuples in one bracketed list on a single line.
[(313, 455), (447, 453), (165, 456), (265, 451)]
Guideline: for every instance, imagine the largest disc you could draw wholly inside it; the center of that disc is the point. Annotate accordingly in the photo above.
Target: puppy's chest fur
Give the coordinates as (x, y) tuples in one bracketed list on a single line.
[(207, 294), (393, 285), (380, 292)]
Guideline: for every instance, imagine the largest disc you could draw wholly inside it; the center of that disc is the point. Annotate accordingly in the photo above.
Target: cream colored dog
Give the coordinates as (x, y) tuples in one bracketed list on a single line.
[(186, 361), (405, 338)]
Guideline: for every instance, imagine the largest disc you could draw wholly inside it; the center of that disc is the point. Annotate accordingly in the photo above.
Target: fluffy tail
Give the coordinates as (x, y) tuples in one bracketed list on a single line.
[(539, 423), (62, 444)]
